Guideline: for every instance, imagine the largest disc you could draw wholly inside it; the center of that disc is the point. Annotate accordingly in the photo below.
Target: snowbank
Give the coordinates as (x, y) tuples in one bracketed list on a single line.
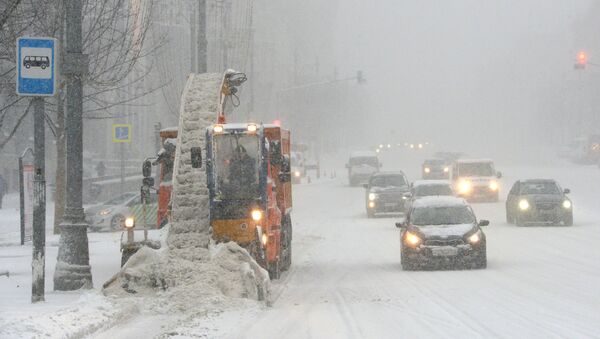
[(184, 279)]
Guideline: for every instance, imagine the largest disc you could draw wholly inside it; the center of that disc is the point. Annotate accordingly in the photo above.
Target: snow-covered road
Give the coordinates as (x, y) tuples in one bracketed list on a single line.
[(347, 282)]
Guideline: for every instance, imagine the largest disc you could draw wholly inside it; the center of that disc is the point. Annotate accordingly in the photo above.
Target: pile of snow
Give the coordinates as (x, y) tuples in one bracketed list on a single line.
[(190, 207), (192, 279)]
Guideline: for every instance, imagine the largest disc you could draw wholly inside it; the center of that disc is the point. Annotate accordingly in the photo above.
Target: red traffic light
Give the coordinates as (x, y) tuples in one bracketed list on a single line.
[(581, 60)]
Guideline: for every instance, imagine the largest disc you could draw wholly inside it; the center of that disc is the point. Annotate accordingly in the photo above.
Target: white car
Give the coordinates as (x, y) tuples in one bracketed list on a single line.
[(476, 179), (110, 215)]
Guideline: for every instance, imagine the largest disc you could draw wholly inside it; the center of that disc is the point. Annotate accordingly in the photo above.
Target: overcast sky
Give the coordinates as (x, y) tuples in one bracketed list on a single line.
[(449, 67)]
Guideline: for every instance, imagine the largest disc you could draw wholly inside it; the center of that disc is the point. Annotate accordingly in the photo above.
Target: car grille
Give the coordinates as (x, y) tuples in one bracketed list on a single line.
[(547, 206), (445, 242), (395, 197)]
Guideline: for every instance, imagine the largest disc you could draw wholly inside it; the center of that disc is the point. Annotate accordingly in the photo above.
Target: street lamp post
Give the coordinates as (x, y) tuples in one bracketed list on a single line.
[(73, 269)]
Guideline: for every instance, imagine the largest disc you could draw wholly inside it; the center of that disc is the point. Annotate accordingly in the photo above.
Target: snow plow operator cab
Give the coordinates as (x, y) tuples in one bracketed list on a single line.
[(249, 183)]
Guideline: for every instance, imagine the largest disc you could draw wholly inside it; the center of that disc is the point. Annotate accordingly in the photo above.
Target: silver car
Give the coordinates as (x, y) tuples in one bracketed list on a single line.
[(110, 215)]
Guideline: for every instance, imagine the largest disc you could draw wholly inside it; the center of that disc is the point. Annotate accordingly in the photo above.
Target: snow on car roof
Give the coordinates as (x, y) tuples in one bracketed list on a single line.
[(471, 161), (385, 173), (431, 183), (357, 154), (538, 180), (439, 201)]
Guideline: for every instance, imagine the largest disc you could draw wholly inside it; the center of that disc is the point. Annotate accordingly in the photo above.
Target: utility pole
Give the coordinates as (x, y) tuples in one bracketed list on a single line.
[(73, 269), (202, 43), (193, 39), (38, 264)]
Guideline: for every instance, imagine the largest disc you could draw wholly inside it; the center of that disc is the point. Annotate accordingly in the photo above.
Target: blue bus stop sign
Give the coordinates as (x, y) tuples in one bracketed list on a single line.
[(36, 66)]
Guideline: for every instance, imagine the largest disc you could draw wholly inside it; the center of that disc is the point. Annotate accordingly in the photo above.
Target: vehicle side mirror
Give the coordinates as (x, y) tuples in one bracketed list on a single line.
[(147, 168), (366, 186), (499, 175), (483, 223), (567, 191), (402, 224), (196, 157)]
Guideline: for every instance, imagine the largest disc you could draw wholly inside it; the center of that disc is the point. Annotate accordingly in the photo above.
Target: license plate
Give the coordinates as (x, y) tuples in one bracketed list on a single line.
[(390, 204), (444, 251)]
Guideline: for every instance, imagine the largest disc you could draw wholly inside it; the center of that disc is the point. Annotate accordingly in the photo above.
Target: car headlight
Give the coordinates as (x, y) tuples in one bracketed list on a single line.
[(524, 205), (464, 187), (129, 222), (446, 170), (412, 239), (372, 196), (475, 238), (371, 204), (494, 185), (297, 174), (427, 170), (104, 212), (256, 215), (567, 204)]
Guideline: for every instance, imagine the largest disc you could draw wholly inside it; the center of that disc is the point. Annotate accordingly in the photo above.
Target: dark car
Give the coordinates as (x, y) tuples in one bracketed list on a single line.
[(538, 201), (435, 169), (442, 232), (386, 193)]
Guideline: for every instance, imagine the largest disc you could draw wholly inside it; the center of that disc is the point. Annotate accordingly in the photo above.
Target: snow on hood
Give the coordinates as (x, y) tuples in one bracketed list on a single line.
[(389, 189), (444, 230), (544, 197)]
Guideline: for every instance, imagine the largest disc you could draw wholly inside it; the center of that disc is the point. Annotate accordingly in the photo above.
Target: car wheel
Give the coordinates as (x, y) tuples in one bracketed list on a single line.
[(568, 220), (481, 261), (27, 66), (519, 221), (43, 66), (116, 223), (406, 264), (370, 214), (509, 219)]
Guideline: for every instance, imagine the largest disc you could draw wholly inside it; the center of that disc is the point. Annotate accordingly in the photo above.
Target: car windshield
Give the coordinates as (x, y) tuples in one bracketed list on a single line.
[(434, 163), (236, 166), (433, 190), (442, 215), (539, 188), (476, 169), (120, 199), (388, 181), (371, 161)]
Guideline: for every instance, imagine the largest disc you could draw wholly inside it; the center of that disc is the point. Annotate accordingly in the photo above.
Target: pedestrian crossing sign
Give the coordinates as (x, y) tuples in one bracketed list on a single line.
[(121, 133)]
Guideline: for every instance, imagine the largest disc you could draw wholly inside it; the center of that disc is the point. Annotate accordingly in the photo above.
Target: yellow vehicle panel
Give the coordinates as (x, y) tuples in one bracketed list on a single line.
[(242, 231)]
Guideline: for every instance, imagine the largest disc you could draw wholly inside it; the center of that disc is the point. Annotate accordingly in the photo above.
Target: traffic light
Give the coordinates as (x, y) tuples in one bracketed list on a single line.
[(581, 60), (360, 78)]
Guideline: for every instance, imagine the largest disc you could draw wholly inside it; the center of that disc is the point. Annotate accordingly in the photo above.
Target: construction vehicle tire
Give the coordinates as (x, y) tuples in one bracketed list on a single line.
[(275, 270)]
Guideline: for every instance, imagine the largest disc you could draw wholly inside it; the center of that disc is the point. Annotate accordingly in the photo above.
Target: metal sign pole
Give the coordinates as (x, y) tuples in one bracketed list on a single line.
[(22, 200), (39, 204)]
